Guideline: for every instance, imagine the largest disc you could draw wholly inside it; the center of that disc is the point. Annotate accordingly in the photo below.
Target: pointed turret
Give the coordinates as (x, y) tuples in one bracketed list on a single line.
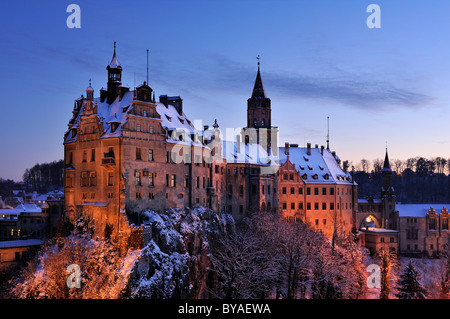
[(258, 88), (114, 77), (386, 165), (386, 176)]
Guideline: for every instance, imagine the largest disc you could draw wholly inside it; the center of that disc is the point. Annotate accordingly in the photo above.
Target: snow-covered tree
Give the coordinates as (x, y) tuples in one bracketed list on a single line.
[(386, 270), (408, 285)]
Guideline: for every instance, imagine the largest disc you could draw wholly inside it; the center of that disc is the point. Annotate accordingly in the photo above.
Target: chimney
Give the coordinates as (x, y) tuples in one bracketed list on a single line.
[(164, 100), (238, 143), (321, 149), (334, 154), (205, 127), (308, 148), (317, 145), (286, 148)]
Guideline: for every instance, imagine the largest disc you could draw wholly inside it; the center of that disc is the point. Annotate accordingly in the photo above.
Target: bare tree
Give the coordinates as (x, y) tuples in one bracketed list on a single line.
[(377, 165), (365, 165)]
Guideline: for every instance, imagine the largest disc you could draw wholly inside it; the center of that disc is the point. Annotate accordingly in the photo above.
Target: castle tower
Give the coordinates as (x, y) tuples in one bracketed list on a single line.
[(390, 215), (259, 115), (114, 77)]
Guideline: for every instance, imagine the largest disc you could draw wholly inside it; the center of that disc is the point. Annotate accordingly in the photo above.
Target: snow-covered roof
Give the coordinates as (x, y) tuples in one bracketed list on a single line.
[(315, 168), (20, 243), (119, 110), (250, 153), (419, 210), (15, 212)]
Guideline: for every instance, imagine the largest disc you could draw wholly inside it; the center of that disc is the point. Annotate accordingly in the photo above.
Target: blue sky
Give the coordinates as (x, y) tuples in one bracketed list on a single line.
[(318, 59)]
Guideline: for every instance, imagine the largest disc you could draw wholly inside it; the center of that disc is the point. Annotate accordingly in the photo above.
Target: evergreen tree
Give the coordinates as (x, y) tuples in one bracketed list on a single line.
[(409, 286)]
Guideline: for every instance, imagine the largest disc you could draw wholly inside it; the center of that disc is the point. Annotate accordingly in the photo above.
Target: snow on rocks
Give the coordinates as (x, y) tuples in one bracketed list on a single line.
[(175, 262)]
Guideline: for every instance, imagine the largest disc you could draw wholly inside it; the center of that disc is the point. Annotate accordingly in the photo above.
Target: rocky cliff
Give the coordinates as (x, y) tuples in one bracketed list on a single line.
[(176, 260)]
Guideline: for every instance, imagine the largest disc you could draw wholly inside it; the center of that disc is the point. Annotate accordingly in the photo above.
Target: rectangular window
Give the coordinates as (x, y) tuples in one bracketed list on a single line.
[(173, 181), (291, 177), (316, 190), (138, 153), (150, 129), (84, 156), (138, 195), (316, 206), (331, 191), (445, 224), (186, 181), (308, 206), (92, 179), (324, 206), (300, 206), (137, 174), (292, 190), (331, 206), (285, 176), (324, 221), (110, 195), (93, 155), (84, 179), (284, 190), (150, 155), (110, 179), (138, 127), (150, 179), (292, 205), (308, 190), (197, 183), (151, 195), (300, 191), (324, 190), (284, 205)]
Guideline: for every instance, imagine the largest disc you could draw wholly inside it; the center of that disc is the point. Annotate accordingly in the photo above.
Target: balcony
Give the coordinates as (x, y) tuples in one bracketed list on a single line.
[(108, 160)]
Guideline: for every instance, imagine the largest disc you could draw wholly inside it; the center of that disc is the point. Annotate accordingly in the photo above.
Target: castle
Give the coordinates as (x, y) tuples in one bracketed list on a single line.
[(125, 152)]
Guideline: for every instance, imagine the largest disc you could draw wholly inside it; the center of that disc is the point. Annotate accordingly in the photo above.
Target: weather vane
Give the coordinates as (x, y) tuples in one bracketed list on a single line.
[(257, 58)]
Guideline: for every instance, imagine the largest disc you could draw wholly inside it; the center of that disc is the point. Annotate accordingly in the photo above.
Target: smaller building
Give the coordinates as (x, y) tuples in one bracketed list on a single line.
[(375, 239), (17, 250), (23, 222), (423, 228)]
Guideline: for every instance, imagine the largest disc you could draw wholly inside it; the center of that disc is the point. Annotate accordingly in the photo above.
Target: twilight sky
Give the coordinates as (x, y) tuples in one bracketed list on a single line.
[(318, 59)]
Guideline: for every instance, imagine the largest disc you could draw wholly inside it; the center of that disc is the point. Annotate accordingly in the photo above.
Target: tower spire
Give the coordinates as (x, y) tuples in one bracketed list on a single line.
[(147, 66), (258, 88), (386, 164)]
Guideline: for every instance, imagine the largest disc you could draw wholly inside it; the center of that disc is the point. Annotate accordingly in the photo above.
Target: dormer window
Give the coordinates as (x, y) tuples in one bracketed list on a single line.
[(326, 176), (304, 176), (315, 176)]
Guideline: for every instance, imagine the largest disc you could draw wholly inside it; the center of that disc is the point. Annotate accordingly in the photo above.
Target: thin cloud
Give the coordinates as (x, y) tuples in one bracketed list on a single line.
[(221, 73)]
